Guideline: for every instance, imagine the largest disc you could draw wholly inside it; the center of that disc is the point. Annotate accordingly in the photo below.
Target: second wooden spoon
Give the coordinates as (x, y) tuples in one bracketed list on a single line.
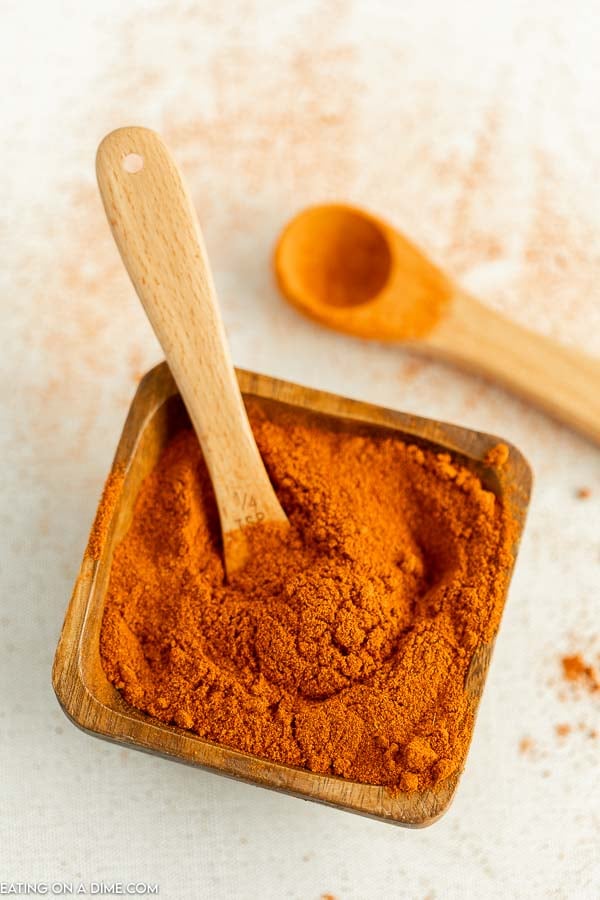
[(354, 272)]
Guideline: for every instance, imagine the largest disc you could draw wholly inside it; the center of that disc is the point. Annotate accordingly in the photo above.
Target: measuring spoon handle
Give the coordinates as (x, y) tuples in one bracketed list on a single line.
[(156, 230), (564, 382)]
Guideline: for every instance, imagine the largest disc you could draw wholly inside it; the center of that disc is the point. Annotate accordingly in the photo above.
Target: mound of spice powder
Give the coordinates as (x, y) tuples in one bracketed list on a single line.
[(344, 644)]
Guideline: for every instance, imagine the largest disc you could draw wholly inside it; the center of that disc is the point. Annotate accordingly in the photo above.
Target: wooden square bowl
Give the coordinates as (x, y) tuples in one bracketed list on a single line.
[(93, 704)]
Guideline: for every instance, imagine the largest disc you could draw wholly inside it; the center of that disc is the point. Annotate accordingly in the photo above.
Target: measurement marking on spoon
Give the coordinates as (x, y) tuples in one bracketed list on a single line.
[(254, 519), (248, 502)]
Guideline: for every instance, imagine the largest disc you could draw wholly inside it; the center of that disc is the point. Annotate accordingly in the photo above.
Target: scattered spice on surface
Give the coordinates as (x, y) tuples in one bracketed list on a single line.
[(108, 501), (583, 493), (576, 669), (344, 644), (563, 729), (526, 745)]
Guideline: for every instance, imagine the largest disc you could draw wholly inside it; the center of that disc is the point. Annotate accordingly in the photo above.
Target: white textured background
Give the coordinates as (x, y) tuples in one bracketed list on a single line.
[(474, 127)]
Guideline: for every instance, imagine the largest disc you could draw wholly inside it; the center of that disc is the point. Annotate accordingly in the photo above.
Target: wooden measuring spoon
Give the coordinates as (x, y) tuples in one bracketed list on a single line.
[(353, 272), (155, 227)]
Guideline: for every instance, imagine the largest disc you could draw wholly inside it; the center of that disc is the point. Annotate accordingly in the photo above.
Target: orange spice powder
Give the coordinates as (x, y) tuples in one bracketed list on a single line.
[(497, 456), (108, 501), (344, 645)]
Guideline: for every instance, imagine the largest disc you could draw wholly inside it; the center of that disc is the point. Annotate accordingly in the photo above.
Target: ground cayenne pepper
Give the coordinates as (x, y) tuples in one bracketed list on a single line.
[(108, 501), (344, 644)]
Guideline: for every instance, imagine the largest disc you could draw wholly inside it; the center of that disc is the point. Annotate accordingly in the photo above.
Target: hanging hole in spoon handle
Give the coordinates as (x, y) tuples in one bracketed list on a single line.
[(155, 228), (133, 163)]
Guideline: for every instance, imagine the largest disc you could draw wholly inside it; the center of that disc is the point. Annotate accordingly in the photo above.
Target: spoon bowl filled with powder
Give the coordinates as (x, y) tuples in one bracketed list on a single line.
[(345, 661)]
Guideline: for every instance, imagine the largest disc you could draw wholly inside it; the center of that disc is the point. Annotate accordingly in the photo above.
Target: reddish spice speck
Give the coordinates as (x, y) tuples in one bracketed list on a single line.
[(576, 669)]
